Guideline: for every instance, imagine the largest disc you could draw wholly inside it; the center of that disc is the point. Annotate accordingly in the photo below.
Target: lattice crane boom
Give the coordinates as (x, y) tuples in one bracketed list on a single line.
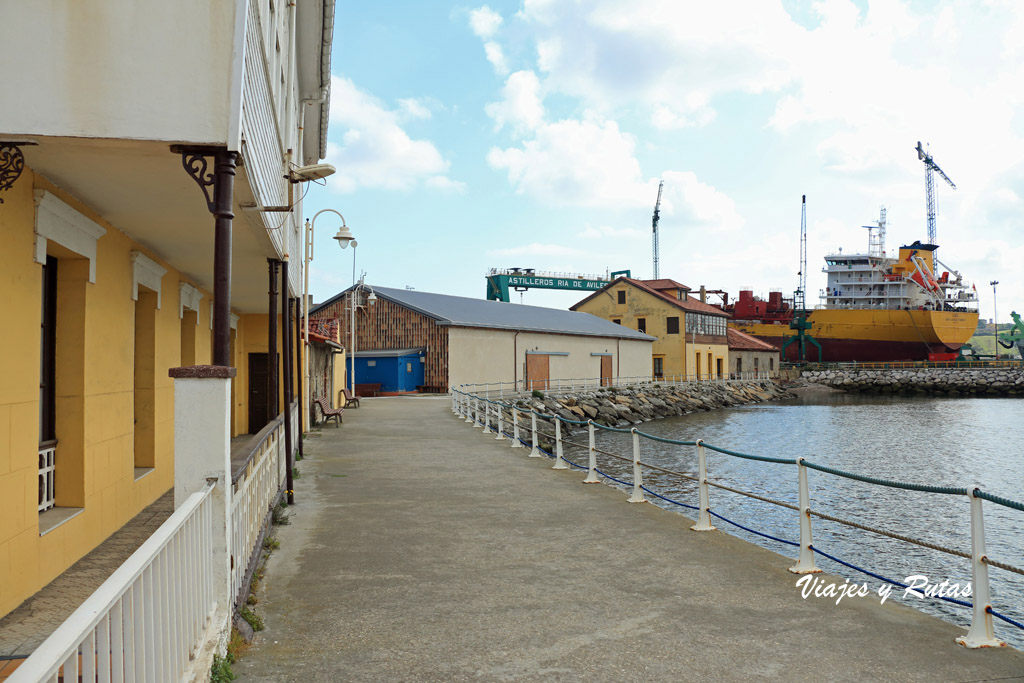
[(799, 302), (655, 246), (930, 168)]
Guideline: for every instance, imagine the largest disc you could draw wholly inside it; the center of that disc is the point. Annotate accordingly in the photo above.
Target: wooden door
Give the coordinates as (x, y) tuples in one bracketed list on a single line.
[(537, 371), (259, 405), (606, 371)]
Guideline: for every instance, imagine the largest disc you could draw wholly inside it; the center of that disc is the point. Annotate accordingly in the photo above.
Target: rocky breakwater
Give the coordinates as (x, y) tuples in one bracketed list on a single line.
[(625, 407), (994, 381)]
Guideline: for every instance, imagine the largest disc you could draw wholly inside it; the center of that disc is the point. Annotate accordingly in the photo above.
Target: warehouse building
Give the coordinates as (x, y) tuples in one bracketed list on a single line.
[(436, 341)]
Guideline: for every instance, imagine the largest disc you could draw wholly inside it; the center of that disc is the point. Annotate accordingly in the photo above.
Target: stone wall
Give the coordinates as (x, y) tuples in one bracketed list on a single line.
[(624, 407), (1001, 381)]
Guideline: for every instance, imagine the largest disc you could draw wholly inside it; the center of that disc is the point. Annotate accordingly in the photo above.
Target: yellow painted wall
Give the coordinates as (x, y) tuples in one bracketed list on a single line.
[(340, 377), (677, 350), (95, 387)]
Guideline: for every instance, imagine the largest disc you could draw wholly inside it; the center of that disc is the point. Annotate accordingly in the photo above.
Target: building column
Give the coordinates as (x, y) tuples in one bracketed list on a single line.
[(202, 453)]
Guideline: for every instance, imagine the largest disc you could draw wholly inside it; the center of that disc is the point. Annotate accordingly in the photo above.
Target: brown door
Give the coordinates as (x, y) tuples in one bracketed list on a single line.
[(537, 371), (258, 403), (606, 371)]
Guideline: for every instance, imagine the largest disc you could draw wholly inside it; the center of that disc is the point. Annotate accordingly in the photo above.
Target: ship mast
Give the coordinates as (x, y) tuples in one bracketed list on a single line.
[(655, 246), (930, 168)]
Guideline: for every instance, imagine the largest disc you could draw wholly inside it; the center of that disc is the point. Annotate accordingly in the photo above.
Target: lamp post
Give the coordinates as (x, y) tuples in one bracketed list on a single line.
[(344, 236), (995, 319), (353, 304)]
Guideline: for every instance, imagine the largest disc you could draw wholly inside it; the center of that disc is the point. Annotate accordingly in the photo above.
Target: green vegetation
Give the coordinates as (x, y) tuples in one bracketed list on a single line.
[(255, 620), (538, 394), (221, 671)]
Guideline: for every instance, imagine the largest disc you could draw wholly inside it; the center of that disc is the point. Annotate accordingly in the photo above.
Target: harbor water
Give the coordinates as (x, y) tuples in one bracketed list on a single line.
[(946, 442)]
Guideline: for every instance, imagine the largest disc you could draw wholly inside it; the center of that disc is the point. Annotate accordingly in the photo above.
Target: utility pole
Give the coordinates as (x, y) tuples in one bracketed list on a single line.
[(995, 318)]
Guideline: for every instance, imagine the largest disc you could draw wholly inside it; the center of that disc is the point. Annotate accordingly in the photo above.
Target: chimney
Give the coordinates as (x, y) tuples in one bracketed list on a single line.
[(703, 294)]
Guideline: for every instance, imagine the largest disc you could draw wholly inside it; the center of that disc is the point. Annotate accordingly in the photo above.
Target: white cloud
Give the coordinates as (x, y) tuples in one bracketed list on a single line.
[(496, 57), (607, 232), (375, 151), (414, 108), (484, 21), (521, 106), (575, 163)]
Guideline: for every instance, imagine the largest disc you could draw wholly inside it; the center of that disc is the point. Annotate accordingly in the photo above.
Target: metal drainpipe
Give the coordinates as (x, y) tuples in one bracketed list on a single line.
[(300, 347), (272, 398), (515, 361), (286, 357)]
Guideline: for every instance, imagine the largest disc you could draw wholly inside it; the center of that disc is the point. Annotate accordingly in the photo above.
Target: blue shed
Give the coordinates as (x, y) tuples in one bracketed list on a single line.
[(394, 370)]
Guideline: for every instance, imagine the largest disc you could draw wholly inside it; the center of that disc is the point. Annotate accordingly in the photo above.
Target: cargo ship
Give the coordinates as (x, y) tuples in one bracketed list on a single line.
[(875, 308)]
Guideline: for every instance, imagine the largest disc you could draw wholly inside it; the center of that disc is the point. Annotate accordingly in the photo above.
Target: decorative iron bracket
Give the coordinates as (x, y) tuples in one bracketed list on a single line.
[(12, 163), (194, 160)]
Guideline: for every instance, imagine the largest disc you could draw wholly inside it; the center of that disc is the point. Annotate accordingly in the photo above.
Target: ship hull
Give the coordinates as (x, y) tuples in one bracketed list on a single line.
[(872, 334)]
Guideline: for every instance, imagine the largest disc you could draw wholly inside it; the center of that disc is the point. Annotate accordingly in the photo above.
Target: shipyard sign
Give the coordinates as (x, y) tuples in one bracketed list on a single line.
[(498, 285), (554, 283)]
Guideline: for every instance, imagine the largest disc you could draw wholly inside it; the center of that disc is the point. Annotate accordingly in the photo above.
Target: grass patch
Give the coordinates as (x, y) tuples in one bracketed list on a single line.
[(538, 394), (295, 472), (339, 475), (255, 620), (221, 671), (271, 543)]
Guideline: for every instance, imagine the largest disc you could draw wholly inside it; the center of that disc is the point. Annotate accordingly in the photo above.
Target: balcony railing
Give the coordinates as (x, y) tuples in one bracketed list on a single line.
[(47, 467)]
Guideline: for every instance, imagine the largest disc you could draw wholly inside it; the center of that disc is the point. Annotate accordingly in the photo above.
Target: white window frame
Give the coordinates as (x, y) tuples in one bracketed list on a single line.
[(56, 221)]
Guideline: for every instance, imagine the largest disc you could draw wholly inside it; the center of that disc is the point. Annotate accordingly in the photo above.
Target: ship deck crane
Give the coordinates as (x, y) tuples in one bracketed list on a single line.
[(655, 247), (799, 322), (930, 168)]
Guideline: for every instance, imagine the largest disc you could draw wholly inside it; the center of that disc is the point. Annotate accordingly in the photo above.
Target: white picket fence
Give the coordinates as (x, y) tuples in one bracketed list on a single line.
[(145, 621)]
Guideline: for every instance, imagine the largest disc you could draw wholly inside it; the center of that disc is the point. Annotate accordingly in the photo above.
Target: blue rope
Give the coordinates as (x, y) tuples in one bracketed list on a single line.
[(1005, 618), (674, 502), (753, 531), (962, 603), (608, 476)]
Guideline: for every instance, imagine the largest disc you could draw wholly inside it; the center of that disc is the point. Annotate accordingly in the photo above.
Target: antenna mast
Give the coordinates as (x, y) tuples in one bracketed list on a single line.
[(655, 247)]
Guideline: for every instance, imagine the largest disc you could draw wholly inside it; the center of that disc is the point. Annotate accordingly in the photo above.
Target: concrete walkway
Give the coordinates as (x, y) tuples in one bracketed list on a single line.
[(420, 549)]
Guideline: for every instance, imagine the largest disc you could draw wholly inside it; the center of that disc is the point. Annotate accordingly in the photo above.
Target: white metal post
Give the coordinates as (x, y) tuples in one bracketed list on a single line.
[(515, 427), (501, 424), (981, 632), (638, 476), (487, 416), (534, 452), (704, 515), (471, 409), (559, 463), (592, 464), (805, 563)]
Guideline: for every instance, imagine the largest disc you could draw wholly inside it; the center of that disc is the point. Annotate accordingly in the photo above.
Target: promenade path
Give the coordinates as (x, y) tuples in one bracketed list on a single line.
[(420, 549)]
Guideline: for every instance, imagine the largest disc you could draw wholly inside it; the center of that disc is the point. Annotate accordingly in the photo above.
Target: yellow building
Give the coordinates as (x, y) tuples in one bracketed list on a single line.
[(120, 179), (691, 335)]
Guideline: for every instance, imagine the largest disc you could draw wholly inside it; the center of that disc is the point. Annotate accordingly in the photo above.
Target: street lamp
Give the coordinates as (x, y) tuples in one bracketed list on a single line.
[(353, 304), (995, 318), (344, 236)]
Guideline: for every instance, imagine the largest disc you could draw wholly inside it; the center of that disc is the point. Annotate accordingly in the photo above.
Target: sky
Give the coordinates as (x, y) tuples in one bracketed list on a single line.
[(535, 133)]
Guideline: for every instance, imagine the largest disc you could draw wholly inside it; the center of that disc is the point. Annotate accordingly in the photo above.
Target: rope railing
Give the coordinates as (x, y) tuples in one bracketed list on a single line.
[(477, 410)]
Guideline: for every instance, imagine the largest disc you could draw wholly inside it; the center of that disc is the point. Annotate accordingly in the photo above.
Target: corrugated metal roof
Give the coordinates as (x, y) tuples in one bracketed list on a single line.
[(461, 311)]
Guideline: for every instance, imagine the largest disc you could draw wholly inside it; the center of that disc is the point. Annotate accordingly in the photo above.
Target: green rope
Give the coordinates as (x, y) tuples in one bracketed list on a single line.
[(664, 440), (747, 456), (999, 501), (953, 490)]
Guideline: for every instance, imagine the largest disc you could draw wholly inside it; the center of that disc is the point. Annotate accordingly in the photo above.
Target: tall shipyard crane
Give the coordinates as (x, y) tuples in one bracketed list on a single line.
[(799, 300), (929, 187), (655, 247)]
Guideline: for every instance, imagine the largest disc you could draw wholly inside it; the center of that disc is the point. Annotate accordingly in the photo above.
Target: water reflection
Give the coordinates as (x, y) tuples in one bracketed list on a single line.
[(948, 442)]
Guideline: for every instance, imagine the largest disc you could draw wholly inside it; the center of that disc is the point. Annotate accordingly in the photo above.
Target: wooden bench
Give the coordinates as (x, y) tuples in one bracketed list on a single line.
[(367, 389), (350, 400), (328, 412)]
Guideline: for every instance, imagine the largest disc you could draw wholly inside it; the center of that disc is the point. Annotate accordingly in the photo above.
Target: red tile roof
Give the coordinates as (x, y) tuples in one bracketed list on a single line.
[(741, 341), (665, 283), (689, 304)]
